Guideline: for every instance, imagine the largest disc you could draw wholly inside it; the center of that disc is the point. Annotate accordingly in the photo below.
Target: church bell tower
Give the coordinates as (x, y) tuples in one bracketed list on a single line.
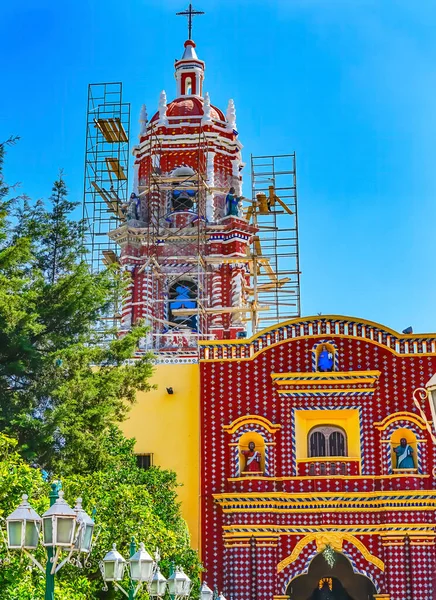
[(184, 239)]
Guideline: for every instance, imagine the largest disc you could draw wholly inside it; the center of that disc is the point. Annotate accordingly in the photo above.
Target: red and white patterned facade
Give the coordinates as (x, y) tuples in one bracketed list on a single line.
[(260, 533), (164, 242)]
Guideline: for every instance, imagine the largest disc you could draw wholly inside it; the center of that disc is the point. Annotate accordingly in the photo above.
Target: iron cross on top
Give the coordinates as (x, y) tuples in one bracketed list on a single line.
[(190, 13)]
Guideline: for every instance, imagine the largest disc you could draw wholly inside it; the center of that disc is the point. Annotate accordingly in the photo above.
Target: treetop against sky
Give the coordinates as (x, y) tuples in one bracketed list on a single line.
[(347, 85)]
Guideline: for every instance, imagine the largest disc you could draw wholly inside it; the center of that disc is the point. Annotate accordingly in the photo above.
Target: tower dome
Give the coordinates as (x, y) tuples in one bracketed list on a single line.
[(190, 107), (189, 102)]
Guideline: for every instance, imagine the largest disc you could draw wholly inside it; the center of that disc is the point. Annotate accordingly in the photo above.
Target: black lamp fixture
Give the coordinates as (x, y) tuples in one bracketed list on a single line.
[(170, 390), (408, 330)]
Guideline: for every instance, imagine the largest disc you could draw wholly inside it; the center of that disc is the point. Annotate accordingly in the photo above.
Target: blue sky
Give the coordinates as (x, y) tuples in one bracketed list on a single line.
[(348, 84)]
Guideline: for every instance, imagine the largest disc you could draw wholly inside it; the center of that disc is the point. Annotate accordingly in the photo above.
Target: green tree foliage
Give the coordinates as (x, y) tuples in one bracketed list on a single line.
[(61, 389), (62, 392), (126, 503)]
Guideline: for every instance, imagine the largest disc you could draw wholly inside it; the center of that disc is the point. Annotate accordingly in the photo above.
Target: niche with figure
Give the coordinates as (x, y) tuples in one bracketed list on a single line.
[(325, 357), (182, 295), (404, 450), (251, 454)]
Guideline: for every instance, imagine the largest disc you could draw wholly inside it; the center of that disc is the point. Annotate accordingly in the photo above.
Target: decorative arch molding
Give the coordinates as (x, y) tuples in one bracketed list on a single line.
[(309, 550), (251, 420), (252, 424), (336, 541), (400, 416)]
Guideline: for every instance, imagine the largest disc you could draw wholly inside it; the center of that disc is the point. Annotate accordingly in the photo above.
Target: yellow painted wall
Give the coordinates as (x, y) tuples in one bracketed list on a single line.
[(168, 426), (348, 419)]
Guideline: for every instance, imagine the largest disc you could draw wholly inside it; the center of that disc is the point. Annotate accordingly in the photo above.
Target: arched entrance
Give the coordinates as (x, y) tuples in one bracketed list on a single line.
[(339, 582)]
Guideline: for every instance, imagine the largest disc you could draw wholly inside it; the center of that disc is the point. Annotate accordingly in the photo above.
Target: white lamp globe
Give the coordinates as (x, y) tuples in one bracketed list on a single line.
[(23, 526), (113, 565), (158, 585), (205, 592), (85, 528), (59, 524), (141, 565), (179, 584)]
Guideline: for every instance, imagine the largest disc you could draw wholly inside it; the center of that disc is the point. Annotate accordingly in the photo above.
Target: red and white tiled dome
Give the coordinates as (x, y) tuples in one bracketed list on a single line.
[(190, 107)]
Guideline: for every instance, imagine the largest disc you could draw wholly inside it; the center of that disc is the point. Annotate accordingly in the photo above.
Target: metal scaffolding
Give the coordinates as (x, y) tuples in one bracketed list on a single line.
[(175, 245), (175, 239), (275, 267), (106, 170)]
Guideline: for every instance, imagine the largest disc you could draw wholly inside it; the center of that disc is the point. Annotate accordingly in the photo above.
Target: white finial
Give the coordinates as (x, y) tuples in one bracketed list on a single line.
[(143, 118), (163, 120), (231, 114), (206, 110)]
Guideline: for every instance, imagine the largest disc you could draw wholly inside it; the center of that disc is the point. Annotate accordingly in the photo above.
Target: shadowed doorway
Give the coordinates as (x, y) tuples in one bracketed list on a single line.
[(325, 583)]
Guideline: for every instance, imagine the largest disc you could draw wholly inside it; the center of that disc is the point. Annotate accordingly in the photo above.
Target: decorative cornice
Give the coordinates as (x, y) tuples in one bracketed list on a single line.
[(316, 328), (415, 530), (287, 502), (328, 384)]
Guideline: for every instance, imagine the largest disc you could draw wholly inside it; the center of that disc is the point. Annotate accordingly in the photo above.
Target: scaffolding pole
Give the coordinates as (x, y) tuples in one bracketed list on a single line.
[(275, 266), (175, 253), (106, 170)]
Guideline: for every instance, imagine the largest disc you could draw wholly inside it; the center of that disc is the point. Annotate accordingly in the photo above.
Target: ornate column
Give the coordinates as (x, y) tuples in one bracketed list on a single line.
[(127, 305), (422, 560), (237, 292), (148, 307), (237, 575), (266, 561), (397, 576), (210, 180), (216, 296)]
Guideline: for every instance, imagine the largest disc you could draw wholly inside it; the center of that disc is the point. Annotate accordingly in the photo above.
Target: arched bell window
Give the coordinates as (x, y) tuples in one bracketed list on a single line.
[(188, 86), (182, 296), (183, 195), (327, 440)]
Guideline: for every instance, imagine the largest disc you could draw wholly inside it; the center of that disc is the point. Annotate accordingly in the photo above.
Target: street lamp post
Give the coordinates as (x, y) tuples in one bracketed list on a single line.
[(49, 576), (64, 530)]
